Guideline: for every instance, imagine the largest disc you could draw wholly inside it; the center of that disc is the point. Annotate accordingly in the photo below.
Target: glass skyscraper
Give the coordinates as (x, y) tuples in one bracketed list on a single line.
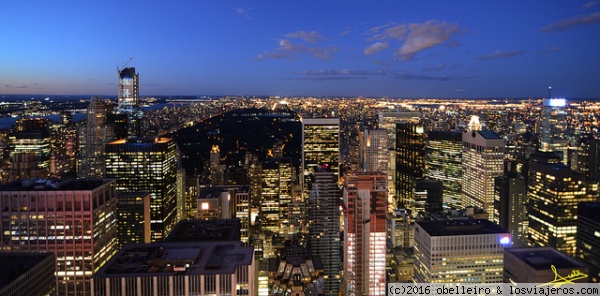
[(147, 165)]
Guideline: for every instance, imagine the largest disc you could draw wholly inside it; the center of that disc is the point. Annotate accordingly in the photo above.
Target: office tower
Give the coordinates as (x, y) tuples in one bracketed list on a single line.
[(74, 219), (483, 160), (320, 146), (459, 251), (133, 218), (387, 121), (510, 206), (276, 195), (410, 159), (554, 191), (31, 139), (116, 124), (324, 228), (296, 272), (402, 229), (92, 141), (226, 202), (365, 204), (541, 265), (586, 158), (192, 186), (443, 162), (24, 274), (553, 128), (588, 238), (427, 197), (147, 165), (179, 268), (376, 154), (129, 86)]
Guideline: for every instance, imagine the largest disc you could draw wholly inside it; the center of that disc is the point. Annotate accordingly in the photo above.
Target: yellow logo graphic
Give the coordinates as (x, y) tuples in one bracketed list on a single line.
[(560, 280)]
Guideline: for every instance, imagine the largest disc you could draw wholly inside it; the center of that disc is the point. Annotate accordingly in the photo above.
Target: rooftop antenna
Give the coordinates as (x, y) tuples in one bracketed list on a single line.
[(549, 92)]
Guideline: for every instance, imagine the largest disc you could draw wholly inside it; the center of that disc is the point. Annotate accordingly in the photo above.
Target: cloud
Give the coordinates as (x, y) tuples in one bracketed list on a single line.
[(414, 37), (290, 50), (344, 74), (375, 48), (565, 24), (499, 54), (412, 76), (311, 37), (590, 4), (245, 11), (346, 31), (550, 50)]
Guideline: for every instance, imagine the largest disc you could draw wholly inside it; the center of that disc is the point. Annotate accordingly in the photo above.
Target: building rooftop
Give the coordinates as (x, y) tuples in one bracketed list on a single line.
[(206, 230), (487, 134), (460, 227), (37, 184), (544, 258), (172, 258), (16, 264)]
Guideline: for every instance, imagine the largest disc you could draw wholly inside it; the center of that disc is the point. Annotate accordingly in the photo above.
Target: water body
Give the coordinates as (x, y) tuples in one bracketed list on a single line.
[(8, 122)]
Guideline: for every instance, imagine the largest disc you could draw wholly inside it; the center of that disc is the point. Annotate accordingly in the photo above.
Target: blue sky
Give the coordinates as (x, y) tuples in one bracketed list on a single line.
[(463, 49)]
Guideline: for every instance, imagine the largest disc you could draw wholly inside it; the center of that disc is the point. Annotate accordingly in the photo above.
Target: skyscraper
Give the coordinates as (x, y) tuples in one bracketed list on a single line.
[(376, 154), (388, 121), (483, 160), (510, 206), (553, 127), (92, 141), (133, 218), (365, 203), (147, 165), (443, 162), (410, 159), (554, 193), (320, 146), (128, 90), (541, 265), (459, 251), (588, 238), (324, 228), (74, 219), (276, 195)]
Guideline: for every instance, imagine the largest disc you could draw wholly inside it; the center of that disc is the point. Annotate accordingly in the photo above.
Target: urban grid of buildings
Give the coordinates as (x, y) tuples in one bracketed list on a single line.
[(295, 196)]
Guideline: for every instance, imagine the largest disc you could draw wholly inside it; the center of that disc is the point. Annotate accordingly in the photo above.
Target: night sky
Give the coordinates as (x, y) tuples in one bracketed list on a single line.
[(448, 49)]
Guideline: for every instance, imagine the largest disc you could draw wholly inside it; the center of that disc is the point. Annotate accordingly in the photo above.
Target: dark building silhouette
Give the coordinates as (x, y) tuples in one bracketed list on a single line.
[(588, 238)]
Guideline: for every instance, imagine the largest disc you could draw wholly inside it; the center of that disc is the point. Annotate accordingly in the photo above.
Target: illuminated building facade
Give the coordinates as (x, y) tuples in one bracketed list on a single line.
[(320, 146), (147, 165), (74, 219), (443, 162), (588, 238), (459, 251), (553, 127), (92, 141), (534, 265), (586, 159), (324, 227), (32, 141), (410, 160), (179, 268), (129, 86), (376, 154), (387, 121), (554, 193), (133, 218), (365, 204), (510, 206), (402, 229), (226, 202), (483, 161), (276, 195)]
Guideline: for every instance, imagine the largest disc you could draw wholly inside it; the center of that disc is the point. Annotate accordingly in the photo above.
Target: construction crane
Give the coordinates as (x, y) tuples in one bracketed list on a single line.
[(124, 65)]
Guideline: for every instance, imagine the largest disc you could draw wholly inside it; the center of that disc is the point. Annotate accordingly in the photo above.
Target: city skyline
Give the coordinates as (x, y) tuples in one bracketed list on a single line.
[(431, 49)]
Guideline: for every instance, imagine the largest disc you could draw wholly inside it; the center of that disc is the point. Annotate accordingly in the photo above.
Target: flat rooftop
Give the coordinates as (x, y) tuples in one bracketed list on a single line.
[(37, 184), (16, 264), (460, 227), (544, 258), (176, 258), (206, 230)]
